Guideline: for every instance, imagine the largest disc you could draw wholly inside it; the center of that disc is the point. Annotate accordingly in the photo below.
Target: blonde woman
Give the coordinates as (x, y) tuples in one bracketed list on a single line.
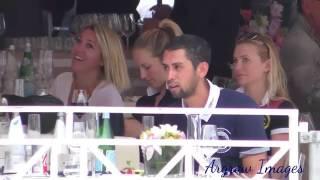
[(257, 70), (98, 66), (146, 53)]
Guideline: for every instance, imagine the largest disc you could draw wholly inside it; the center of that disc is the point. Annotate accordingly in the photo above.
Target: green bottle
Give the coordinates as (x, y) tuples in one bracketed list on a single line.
[(26, 70), (105, 132)]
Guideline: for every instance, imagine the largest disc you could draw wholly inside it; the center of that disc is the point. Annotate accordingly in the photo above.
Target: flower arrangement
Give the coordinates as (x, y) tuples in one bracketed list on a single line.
[(271, 22), (156, 157), (165, 131)]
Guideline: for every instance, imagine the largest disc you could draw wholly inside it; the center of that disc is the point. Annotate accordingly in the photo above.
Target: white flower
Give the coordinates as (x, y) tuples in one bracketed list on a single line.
[(156, 133), (167, 128), (165, 131)]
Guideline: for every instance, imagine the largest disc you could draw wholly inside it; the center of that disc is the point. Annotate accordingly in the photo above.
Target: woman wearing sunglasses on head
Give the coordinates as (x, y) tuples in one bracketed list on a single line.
[(257, 70)]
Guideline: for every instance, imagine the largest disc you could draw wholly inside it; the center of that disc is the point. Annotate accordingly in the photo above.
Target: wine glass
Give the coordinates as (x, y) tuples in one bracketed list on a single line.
[(2, 24), (79, 98), (209, 132), (128, 26), (34, 126)]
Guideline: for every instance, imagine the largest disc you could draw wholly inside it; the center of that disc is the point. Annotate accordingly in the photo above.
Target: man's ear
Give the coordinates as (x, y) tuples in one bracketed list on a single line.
[(202, 69)]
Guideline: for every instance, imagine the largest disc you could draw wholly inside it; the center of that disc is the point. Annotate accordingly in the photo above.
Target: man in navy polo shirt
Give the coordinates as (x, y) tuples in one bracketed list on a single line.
[(186, 61)]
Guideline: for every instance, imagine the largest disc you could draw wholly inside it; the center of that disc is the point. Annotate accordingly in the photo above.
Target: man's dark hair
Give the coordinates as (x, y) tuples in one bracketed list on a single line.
[(197, 49)]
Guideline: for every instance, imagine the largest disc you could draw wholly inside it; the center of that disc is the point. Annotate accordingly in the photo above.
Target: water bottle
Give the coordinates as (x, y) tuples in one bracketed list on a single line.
[(59, 130), (59, 133), (105, 131), (4, 119), (26, 71), (72, 165), (4, 129), (16, 156)]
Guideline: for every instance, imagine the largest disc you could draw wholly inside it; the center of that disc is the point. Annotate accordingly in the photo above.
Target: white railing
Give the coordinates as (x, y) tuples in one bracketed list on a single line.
[(187, 151)]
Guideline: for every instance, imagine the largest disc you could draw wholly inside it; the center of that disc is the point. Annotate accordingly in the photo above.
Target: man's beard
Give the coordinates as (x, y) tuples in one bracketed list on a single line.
[(189, 91)]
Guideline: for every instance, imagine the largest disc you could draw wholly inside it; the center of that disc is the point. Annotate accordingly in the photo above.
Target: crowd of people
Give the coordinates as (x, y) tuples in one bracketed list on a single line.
[(175, 65)]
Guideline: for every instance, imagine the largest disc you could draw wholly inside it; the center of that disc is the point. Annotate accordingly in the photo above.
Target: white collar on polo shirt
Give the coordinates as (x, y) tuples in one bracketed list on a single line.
[(212, 101)]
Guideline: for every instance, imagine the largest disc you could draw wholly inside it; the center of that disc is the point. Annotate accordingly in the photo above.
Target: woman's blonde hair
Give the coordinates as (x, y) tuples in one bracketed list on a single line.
[(115, 68), (277, 81), (155, 40)]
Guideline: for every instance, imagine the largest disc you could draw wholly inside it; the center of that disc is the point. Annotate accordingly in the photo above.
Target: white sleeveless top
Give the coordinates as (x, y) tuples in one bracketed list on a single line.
[(105, 94)]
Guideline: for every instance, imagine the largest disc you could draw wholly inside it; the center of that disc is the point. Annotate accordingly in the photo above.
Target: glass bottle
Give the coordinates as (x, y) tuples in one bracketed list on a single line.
[(4, 119), (105, 131), (26, 71), (16, 156)]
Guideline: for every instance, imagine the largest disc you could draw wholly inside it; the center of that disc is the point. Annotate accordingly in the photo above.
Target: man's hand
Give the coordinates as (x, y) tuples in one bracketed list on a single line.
[(253, 162)]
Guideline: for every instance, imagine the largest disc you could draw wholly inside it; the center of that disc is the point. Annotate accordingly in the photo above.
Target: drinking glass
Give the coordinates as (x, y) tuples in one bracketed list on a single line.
[(193, 126), (91, 124), (209, 132), (2, 24), (148, 122), (34, 128), (128, 26)]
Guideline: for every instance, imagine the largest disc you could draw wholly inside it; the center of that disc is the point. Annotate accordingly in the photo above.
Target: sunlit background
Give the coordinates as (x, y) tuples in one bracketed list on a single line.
[(145, 5)]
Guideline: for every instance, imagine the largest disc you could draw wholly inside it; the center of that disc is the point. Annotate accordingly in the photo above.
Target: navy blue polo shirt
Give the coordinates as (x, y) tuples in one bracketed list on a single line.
[(233, 127)]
